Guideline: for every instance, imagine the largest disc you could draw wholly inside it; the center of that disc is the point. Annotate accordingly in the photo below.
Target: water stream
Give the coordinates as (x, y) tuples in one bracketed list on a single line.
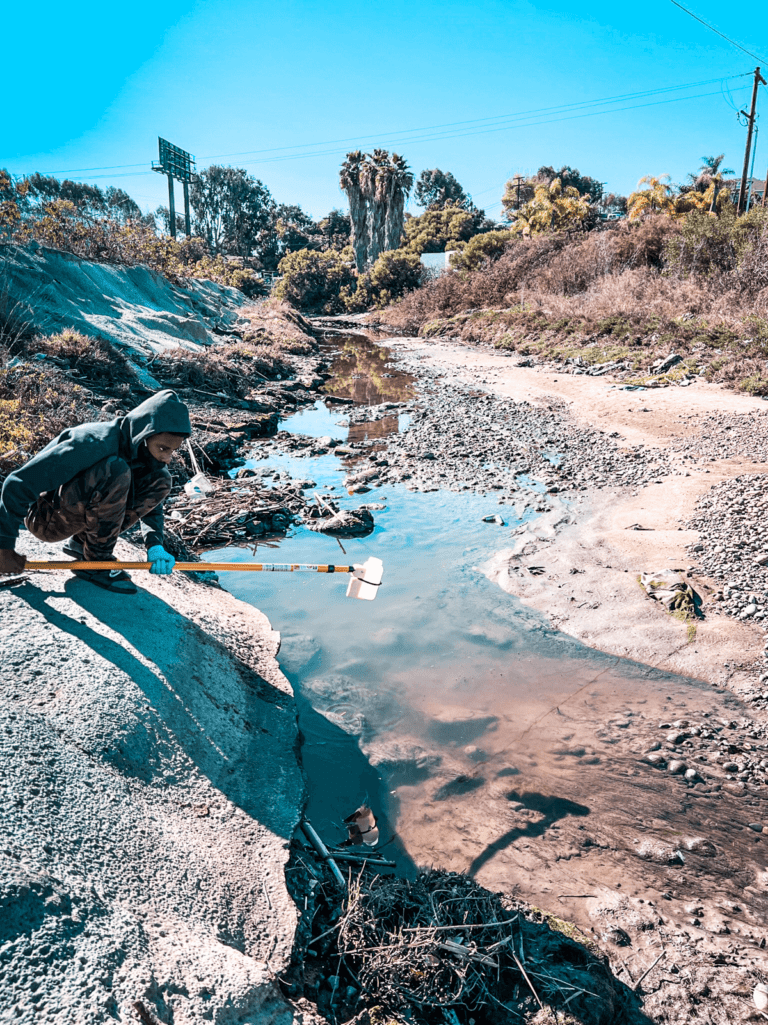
[(443, 666)]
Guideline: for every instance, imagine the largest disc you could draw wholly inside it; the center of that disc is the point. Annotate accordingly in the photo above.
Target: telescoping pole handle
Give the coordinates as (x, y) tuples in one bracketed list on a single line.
[(198, 567)]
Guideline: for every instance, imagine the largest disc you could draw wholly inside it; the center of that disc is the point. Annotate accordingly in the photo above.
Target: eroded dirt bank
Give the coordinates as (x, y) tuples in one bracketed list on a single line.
[(150, 786)]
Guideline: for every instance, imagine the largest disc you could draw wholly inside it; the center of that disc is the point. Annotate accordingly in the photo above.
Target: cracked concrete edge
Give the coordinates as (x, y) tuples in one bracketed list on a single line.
[(151, 780)]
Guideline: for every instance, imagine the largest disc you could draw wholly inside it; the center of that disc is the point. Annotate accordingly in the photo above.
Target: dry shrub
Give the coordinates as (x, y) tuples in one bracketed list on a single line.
[(697, 287), (278, 327), (35, 406), (442, 948), (96, 360), (233, 369), (275, 331)]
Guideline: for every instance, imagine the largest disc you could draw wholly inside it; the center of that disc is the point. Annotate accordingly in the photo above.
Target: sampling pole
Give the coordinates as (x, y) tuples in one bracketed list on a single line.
[(750, 128)]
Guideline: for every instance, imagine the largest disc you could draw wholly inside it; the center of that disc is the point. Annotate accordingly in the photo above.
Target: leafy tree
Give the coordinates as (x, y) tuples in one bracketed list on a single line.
[(316, 281), (554, 207), (376, 186), (613, 205), (482, 249), (571, 177), (439, 229), (163, 216), (519, 191), (120, 205), (334, 231), (233, 210), (656, 198), (294, 227), (436, 189), (394, 273)]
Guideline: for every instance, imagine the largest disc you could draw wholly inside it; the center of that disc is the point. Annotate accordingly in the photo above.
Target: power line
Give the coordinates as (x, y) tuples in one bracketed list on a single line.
[(488, 131), (496, 117), (444, 129), (719, 33), (444, 136)]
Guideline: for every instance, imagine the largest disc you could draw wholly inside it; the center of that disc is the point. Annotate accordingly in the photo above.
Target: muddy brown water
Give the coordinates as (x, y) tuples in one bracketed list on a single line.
[(485, 740)]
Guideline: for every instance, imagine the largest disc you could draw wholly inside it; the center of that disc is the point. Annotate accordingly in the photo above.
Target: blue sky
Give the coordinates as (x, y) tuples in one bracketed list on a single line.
[(285, 88)]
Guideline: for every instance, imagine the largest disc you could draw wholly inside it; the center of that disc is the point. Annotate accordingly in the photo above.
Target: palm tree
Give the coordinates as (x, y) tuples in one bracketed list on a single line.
[(709, 171), (376, 186), (657, 198), (349, 179), (553, 208)]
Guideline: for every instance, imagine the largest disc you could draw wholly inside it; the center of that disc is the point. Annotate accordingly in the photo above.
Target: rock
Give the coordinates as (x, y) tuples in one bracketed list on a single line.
[(133, 307), (115, 886), (403, 761), (760, 996), (346, 523), (761, 559), (657, 760), (658, 852), (748, 610), (677, 766), (757, 826), (701, 846), (661, 366), (459, 725), (617, 936)]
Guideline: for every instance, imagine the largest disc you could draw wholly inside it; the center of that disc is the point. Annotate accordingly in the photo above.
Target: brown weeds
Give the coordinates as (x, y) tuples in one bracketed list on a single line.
[(699, 289)]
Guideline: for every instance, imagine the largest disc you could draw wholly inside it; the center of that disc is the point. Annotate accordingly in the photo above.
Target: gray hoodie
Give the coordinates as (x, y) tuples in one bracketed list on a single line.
[(78, 448)]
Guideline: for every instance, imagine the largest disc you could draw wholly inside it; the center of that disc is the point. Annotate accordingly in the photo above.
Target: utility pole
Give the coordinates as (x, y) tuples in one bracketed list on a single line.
[(517, 183), (750, 128)]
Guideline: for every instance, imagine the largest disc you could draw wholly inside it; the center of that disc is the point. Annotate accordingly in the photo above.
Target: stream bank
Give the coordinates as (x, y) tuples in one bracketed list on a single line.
[(150, 786)]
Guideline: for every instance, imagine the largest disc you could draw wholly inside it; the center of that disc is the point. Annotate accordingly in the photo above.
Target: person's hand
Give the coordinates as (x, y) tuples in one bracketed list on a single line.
[(162, 561), (11, 561)]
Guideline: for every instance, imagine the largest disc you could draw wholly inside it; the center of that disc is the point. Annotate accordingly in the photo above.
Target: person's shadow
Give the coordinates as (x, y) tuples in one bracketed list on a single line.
[(551, 808), (236, 728)]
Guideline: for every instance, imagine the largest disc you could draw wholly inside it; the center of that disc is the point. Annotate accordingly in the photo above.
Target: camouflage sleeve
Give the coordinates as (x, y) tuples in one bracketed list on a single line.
[(152, 527)]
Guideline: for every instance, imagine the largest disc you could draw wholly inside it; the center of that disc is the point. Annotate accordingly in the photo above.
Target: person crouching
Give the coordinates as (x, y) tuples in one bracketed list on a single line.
[(92, 483)]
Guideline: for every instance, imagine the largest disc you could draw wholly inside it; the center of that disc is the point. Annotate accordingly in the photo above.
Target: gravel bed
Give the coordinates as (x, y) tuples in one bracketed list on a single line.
[(727, 436), (733, 548), (465, 441)]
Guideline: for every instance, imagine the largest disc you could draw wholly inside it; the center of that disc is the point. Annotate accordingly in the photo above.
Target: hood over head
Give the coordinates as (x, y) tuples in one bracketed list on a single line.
[(159, 413)]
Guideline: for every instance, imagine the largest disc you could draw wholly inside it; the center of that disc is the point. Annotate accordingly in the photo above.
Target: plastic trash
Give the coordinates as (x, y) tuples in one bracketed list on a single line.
[(198, 485)]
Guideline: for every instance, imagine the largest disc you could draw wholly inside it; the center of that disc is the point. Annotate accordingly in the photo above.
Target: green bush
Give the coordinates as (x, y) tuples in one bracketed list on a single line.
[(439, 230), (316, 282), (393, 274), (482, 249)]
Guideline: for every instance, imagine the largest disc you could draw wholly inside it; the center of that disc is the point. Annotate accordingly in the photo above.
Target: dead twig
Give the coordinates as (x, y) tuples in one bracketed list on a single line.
[(527, 979), (648, 971)]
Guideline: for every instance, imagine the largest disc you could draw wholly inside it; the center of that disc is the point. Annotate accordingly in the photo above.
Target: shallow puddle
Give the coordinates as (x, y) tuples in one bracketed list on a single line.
[(474, 729)]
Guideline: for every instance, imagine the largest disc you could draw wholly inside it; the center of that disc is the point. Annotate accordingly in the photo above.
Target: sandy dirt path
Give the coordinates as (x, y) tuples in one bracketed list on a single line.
[(590, 587)]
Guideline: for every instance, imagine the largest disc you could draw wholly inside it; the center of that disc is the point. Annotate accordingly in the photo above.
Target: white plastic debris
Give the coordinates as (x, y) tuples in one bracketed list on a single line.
[(198, 485)]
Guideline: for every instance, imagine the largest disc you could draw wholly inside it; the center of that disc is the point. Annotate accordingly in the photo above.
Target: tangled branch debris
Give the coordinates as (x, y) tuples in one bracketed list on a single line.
[(440, 948)]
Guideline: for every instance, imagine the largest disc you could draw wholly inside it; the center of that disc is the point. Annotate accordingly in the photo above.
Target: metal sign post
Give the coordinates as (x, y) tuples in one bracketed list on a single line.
[(178, 164)]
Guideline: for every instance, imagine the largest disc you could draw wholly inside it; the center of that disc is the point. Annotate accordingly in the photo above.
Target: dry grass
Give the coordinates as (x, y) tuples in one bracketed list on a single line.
[(275, 332), (638, 288), (35, 405)]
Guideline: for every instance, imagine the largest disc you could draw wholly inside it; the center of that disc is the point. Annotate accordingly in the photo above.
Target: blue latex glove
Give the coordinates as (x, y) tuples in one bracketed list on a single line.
[(162, 561)]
